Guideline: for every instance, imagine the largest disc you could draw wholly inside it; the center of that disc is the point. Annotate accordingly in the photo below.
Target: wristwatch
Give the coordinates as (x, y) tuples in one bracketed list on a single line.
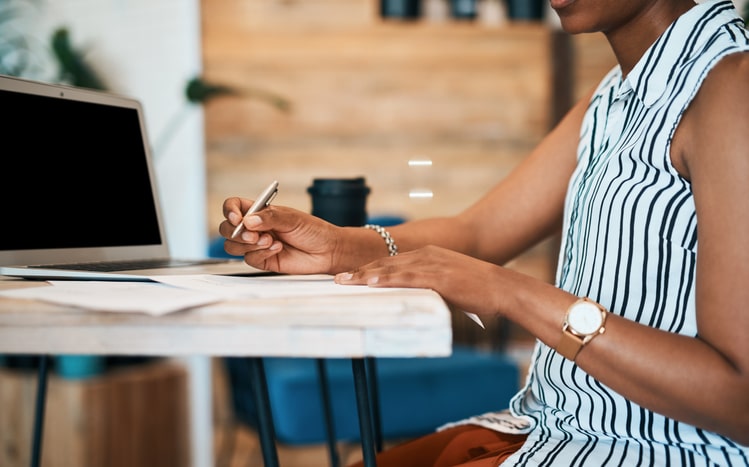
[(585, 319)]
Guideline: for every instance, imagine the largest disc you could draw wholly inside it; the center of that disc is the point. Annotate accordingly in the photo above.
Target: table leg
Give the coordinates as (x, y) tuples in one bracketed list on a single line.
[(374, 398), (364, 409), (200, 414), (327, 406), (41, 398), (266, 431)]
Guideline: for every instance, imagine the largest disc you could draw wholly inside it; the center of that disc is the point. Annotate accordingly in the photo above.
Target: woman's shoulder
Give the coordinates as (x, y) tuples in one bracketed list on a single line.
[(726, 87), (717, 118)]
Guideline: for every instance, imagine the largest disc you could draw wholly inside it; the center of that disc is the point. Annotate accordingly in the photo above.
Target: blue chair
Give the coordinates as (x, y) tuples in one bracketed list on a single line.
[(415, 395)]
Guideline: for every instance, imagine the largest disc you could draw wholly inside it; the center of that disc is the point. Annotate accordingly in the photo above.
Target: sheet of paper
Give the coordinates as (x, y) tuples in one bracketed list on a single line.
[(142, 297), (267, 286)]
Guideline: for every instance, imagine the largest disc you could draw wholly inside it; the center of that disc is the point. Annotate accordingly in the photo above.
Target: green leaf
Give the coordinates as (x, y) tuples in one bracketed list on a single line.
[(199, 91), (73, 68)]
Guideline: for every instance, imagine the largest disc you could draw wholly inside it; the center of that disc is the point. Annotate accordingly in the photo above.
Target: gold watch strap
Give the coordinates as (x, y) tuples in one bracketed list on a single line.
[(569, 345)]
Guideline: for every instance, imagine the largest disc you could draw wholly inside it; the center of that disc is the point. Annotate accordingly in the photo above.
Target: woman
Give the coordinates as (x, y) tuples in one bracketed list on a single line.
[(653, 159)]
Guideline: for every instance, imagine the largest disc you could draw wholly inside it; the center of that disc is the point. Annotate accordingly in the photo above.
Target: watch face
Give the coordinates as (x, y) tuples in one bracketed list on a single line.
[(585, 318)]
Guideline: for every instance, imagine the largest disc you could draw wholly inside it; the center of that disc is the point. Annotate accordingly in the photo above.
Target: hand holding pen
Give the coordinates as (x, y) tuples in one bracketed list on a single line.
[(260, 202)]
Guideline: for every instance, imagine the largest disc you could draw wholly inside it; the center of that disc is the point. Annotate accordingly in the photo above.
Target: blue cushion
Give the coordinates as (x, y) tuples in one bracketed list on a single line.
[(216, 249), (416, 395)]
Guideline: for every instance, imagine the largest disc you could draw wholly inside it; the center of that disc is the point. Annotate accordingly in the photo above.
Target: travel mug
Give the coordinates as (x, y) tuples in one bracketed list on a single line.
[(340, 201)]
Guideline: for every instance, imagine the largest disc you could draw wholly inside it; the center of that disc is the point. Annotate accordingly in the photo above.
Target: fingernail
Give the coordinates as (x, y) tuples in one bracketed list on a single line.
[(246, 236), (373, 280), (264, 241), (253, 221), (275, 246), (234, 218), (344, 276)]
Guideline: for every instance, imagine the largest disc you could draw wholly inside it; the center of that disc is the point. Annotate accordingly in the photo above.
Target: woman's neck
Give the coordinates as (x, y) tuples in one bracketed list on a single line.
[(631, 40)]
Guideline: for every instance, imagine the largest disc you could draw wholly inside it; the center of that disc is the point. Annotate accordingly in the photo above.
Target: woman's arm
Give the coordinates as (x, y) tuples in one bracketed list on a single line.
[(518, 212), (521, 210), (703, 380)]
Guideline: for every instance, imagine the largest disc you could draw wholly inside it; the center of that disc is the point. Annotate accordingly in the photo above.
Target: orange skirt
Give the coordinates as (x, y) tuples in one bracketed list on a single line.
[(463, 445)]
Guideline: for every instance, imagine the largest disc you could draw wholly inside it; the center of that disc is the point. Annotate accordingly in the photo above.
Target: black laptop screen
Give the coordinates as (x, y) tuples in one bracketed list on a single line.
[(75, 175)]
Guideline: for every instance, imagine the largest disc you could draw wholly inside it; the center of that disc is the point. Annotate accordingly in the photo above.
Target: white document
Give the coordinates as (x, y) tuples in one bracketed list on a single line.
[(276, 287), (281, 286), (180, 292), (142, 297)]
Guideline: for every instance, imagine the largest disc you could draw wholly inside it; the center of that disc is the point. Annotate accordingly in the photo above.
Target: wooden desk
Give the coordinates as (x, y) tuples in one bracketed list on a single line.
[(413, 323)]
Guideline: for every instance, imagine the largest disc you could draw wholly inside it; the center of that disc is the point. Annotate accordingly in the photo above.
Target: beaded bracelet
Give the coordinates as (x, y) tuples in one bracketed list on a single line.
[(392, 247)]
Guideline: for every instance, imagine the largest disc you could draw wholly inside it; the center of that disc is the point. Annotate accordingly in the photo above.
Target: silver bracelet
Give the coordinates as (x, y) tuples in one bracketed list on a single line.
[(392, 247)]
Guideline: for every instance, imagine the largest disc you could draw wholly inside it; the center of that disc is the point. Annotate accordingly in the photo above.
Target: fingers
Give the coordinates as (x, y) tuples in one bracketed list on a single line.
[(369, 277), (385, 272), (252, 237), (249, 241), (233, 209), (258, 241), (265, 258), (426, 267), (279, 238)]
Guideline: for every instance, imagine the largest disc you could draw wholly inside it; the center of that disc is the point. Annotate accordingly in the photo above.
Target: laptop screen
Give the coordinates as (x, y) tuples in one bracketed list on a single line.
[(75, 175)]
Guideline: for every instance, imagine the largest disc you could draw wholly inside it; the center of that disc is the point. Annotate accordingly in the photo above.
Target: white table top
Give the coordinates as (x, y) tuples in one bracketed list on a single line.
[(412, 323)]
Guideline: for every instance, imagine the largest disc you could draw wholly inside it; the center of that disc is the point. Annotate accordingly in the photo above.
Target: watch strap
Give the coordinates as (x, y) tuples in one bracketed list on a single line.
[(569, 345)]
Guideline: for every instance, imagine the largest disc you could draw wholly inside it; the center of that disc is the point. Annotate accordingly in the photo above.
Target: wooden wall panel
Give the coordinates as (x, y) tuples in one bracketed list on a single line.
[(368, 95), (256, 16), (593, 59)]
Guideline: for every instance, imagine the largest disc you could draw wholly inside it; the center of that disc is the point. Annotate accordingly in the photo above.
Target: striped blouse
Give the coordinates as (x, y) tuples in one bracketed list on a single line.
[(630, 243)]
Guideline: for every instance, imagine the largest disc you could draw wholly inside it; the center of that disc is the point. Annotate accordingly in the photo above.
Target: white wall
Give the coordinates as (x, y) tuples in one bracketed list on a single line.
[(148, 50)]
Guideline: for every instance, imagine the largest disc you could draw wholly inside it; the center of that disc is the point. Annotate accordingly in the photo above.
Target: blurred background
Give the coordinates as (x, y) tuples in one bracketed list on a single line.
[(431, 101)]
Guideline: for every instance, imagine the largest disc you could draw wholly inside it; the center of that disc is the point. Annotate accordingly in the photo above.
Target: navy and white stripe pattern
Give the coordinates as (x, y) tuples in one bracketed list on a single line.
[(630, 243)]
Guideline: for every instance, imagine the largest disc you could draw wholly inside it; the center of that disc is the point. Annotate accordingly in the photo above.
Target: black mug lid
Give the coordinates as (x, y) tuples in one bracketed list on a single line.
[(338, 186)]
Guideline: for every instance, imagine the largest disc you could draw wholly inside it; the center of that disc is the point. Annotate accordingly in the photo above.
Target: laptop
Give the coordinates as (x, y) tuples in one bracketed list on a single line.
[(78, 194)]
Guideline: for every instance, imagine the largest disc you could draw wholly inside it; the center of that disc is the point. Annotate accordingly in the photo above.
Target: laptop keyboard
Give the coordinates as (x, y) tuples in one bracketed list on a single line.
[(128, 265)]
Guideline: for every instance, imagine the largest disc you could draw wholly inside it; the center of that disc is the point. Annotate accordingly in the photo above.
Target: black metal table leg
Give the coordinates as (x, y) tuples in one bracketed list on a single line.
[(327, 406), (266, 432), (374, 399), (364, 409), (41, 399)]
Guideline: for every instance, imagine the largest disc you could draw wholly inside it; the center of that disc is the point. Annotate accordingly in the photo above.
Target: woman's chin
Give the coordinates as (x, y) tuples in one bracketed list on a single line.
[(560, 4)]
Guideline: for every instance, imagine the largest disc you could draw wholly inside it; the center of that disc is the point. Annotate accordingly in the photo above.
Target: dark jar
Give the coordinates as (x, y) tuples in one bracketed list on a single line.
[(400, 9), (340, 201)]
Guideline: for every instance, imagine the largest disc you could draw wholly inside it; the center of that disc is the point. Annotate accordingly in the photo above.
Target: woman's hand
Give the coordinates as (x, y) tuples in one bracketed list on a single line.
[(280, 239), (465, 282)]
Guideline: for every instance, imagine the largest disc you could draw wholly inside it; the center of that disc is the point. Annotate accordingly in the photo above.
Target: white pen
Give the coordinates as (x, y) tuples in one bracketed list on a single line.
[(262, 201)]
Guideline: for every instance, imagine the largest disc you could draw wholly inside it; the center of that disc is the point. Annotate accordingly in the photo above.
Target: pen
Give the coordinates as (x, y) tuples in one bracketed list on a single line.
[(262, 201)]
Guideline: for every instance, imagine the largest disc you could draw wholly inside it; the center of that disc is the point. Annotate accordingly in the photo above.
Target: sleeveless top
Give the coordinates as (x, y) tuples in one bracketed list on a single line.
[(630, 243)]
